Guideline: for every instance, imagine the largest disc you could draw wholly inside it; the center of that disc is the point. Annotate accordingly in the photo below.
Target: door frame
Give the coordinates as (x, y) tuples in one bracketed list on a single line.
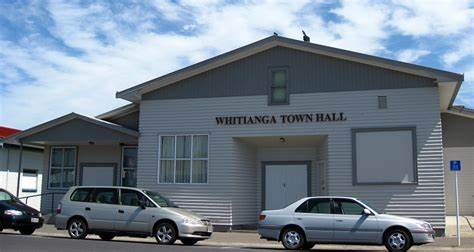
[(264, 169), (113, 165)]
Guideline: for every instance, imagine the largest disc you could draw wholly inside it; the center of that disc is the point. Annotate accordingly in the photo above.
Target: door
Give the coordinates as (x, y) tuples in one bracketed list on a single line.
[(98, 175), (130, 216), (352, 225), (285, 184), (102, 210), (316, 218)]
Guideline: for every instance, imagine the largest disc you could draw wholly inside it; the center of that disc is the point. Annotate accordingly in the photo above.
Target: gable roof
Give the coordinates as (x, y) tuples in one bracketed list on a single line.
[(69, 117), (119, 112), (133, 94)]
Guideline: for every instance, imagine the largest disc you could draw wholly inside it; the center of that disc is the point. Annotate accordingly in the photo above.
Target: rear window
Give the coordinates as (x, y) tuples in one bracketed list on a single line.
[(105, 196), (81, 195), (321, 206)]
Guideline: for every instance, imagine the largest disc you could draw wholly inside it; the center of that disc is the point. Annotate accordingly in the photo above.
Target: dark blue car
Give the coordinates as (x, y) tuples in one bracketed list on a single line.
[(16, 215)]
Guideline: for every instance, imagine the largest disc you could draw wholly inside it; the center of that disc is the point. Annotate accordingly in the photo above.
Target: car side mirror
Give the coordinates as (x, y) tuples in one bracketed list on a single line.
[(142, 204), (367, 211)]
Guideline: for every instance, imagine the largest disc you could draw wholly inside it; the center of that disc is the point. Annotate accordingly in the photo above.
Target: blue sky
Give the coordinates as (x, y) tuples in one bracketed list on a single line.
[(62, 56)]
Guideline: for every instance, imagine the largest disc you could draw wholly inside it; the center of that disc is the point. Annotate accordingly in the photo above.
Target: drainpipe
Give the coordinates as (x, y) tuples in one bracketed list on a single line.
[(19, 170)]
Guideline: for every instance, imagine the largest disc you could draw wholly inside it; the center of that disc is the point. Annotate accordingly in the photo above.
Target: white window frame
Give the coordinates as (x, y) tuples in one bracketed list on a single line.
[(191, 159), (123, 159), (62, 167)]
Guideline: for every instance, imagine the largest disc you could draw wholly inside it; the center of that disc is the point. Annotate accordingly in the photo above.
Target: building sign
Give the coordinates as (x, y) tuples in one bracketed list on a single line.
[(283, 119)]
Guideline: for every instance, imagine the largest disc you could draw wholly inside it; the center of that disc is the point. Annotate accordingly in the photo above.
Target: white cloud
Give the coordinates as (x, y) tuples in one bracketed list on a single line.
[(103, 51), (411, 55), (432, 18), (462, 49)]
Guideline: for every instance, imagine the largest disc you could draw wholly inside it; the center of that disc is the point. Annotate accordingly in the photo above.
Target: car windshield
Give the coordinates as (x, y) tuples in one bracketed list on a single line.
[(4, 196), (371, 207), (160, 200)]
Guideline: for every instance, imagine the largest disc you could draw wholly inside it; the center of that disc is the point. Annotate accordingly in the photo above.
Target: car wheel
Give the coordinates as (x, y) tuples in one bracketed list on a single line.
[(165, 233), (106, 236), (27, 231), (308, 245), (293, 238), (189, 241), (77, 228), (397, 240)]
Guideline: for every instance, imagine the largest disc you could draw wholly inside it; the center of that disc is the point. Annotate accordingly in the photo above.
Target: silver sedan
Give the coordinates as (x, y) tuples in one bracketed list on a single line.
[(341, 220)]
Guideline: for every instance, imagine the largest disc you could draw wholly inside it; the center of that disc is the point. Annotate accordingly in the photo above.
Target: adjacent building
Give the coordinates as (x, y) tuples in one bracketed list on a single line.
[(263, 125), (27, 182)]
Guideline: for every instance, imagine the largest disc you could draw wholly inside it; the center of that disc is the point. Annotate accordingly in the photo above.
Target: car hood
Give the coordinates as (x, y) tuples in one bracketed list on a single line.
[(183, 212), (399, 218), (16, 205)]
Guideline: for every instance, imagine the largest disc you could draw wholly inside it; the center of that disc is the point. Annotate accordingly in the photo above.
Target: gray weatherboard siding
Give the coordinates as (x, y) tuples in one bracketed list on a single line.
[(458, 142), (231, 196), (308, 72)]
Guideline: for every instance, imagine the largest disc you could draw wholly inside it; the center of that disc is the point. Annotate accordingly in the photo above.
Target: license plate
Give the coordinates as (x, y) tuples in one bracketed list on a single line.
[(35, 220)]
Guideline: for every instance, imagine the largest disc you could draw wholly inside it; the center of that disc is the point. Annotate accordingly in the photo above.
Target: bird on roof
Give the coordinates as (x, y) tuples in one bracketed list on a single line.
[(305, 37)]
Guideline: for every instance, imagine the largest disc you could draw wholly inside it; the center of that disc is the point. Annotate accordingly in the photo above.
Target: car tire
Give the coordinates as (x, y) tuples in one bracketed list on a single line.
[(165, 233), (397, 240), (77, 228), (106, 236), (189, 241), (293, 238), (308, 245), (27, 231)]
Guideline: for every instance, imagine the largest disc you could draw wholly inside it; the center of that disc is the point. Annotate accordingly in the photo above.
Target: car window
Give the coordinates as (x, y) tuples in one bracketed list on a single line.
[(81, 195), (348, 207), (105, 196), (4, 196), (321, 206), (160, 200)]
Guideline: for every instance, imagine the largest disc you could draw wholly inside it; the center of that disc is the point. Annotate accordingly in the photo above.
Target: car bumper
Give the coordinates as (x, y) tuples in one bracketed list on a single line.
[(195, 231), (269, 232), (23, 221), (60, 221), (423, 237)]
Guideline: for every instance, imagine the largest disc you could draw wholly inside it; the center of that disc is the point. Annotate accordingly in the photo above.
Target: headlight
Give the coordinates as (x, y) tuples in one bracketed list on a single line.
[(192, 221), (426, 226), (13, 212)]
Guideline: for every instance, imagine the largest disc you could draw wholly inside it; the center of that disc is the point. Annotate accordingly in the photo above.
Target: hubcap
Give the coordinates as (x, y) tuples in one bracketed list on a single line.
[(164, 234), (76, 229), (292, 239), (397, 240)]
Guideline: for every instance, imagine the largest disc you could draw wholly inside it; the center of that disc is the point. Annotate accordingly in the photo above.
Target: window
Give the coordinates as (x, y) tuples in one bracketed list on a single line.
[(29, 181), (62, 167), (4, 196), (81, 194), (133, 198), (183, 159), (347, 207), (129, 166), (105, 196), (279, 86), (384, 156), (322, 206), (382, 102)]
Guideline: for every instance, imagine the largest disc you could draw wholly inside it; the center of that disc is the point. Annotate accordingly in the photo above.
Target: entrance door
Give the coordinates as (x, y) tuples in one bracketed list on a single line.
[(98, 175), (285, 184)]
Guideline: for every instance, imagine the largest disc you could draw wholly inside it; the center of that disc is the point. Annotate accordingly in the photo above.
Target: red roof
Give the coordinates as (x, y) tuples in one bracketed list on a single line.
[(5, 131)]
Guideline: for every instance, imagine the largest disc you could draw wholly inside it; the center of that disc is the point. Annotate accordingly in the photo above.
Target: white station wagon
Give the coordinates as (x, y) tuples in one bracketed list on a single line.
[(125, 211)]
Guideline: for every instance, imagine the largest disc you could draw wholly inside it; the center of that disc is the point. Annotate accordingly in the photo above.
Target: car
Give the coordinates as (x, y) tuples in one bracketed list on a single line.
[(341, 220), (127, 211), (18, 216)]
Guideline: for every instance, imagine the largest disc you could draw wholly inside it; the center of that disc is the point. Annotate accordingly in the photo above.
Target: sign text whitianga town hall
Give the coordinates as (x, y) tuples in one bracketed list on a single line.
[(285, 118)]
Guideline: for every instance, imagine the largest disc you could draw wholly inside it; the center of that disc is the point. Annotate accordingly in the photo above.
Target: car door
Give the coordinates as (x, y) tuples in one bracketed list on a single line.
[(351, 224), (131, 217), (316, 218), (102, 210)]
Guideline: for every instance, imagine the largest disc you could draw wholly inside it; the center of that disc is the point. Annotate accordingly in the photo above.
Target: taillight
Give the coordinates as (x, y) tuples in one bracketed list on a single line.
[(58, 209), (261, 217)]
